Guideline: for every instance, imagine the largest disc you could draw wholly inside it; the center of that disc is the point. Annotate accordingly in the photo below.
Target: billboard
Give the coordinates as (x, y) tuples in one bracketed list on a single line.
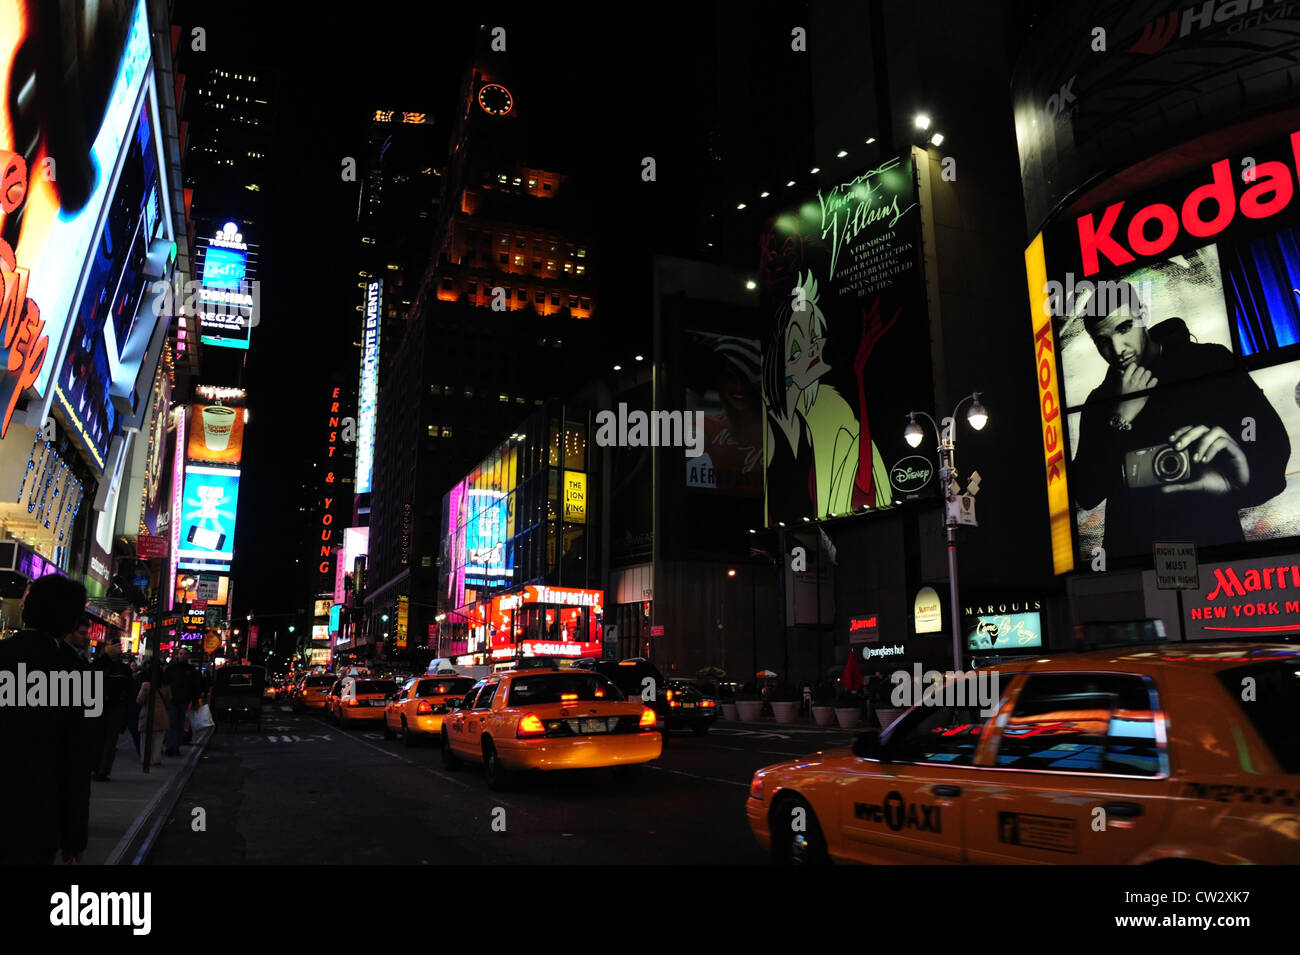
[(228, 292), (367, 405), (216, 434), (207, 528), (487, 528), (847, 352), (1172, 315), (1004, 631), (723, 381), (91, 92)]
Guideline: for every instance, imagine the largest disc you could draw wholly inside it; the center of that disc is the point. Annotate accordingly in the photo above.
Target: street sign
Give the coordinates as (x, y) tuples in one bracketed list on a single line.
[(211, 642), (657, 630), (961, 510), (1176, 567), (148, 546), (198, 605), (208, 587)]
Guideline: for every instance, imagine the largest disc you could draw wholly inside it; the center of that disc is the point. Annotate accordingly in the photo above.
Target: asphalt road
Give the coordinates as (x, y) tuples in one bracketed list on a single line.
[(303, 791)]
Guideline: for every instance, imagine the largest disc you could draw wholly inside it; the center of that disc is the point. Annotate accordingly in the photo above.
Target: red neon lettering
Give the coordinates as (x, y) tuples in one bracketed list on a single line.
[(1091, 243), (1227, 583)]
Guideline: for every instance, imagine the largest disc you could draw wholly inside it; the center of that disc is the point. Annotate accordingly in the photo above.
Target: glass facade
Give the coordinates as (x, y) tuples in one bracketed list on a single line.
[(518, 546)]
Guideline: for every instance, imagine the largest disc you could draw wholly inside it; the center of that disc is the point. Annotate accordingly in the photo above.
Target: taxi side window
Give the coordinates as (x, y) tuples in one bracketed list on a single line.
[(485, 697), (1086, 723), (468, 702), (937, 734)]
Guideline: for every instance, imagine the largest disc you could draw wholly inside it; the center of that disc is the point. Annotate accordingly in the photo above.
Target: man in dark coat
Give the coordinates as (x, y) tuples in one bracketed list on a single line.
[(186, 686), (74, 806), (38, 743), (119, 691)]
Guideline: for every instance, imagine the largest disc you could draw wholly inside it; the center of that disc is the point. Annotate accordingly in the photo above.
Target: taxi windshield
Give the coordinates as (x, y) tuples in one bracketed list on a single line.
[(444, 687), (386, 687), (314, 682), (562, 688)]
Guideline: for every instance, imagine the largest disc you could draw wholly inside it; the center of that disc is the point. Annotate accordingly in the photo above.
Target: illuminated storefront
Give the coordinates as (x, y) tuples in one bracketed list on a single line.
[(520, 568)]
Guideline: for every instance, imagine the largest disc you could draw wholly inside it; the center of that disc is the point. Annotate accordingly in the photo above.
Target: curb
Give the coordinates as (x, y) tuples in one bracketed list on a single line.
[(134, 847)]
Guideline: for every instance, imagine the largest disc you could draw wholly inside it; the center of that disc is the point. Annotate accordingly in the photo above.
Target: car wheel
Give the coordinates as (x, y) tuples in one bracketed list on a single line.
[(407, 736), (498, 779), (388, 730), (701, 730), (796, 838), (450, 761)]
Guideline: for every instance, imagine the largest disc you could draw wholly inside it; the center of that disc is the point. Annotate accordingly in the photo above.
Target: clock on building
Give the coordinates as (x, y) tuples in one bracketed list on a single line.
[(495, 99)]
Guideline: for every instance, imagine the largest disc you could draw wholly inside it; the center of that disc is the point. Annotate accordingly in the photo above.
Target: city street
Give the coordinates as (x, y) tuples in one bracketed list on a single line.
[(304, 791)]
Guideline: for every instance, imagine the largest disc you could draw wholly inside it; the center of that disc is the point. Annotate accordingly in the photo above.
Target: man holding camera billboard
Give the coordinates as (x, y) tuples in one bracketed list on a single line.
[(1172, 461)]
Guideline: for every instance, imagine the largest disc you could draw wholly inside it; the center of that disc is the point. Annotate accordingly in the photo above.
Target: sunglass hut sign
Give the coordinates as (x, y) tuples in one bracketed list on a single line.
[(1247, 597)]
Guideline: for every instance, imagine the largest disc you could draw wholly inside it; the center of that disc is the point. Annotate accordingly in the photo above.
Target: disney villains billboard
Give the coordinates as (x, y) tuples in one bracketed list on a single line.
[(846, 353)]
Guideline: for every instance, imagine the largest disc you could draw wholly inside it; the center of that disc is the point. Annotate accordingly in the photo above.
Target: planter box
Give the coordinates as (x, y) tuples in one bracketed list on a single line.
[(848, 718), (749, 710), (823, 715), (785, 712), (729, 711), (887, 716)]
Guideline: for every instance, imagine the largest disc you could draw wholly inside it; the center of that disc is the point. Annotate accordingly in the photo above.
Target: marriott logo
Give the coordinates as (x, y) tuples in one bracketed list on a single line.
[(1228, 584)]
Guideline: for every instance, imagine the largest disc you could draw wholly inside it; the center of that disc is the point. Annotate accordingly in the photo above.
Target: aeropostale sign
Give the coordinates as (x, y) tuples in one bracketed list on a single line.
[(1245, 597)]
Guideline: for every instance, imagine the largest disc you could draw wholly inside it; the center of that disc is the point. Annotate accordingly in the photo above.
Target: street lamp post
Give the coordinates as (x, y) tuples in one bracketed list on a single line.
[(913, 433)]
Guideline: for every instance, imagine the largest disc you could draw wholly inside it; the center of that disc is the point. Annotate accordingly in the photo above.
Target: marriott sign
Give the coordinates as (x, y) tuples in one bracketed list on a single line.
[(1245, 597)]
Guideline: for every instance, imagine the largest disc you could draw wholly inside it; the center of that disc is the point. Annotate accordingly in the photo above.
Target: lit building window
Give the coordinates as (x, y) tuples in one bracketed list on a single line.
[(550, 266), (505, 397), (568, 268), (446, 432), (582, 253), (519, 260), (582, 269)]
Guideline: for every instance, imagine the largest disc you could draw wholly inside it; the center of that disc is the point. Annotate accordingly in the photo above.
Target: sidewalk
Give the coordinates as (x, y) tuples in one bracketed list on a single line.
[(127, 812), (801, 726)]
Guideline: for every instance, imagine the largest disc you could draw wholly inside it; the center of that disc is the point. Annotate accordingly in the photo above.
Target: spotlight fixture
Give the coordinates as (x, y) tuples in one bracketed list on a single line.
[(640, 358), (815, 170), (913, 433), (751, 284), (936, 139), (740, 205), (764, 194), (618, 367), (977, 416), (922, 121), (790, 183), (870, 140)]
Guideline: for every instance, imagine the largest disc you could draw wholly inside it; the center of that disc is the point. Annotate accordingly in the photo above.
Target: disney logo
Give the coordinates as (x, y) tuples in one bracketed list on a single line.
[(911, 474)]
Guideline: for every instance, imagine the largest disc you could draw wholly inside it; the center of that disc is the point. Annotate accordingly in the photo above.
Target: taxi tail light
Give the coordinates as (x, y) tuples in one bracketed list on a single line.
[(530, 724), (708, 703), (423, 708), (756, 787), (647, 718), (354, 702)]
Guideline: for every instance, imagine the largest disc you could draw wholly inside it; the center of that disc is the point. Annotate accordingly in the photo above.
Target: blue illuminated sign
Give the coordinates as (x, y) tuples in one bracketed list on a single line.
[(208, 514), (485, 534), (224, 268), (369, 395), (334, 618)]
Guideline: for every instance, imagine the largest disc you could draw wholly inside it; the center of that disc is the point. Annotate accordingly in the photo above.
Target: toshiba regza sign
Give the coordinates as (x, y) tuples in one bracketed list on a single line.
[(1171, 314)]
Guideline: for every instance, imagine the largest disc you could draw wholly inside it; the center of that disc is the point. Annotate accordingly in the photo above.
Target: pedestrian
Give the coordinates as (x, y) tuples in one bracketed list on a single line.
[(160, 724), (119, 691), (182, 679), (37, 742), (132, 717)]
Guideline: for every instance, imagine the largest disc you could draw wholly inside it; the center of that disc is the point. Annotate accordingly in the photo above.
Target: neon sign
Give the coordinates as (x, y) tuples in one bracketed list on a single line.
[(20, 317)]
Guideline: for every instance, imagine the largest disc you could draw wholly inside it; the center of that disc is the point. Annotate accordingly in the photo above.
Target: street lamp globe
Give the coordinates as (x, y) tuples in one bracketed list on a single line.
[(913, 433), (977, 416), (291, 628)]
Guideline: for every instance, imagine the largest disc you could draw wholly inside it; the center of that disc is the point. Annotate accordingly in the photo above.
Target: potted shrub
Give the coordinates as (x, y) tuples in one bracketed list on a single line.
[(882, 704), (749, 705), (848, 710), (823, 709), (785, 699)]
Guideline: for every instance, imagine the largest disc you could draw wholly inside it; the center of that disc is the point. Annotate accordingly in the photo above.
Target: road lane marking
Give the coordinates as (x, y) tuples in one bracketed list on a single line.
[(712, 779)]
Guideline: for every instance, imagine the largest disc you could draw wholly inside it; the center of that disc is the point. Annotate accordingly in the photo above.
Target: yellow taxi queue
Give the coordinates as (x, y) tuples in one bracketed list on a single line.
[(1165, 754)]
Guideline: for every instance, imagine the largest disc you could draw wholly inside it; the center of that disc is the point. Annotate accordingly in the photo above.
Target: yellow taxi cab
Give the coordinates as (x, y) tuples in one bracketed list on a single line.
[(360, 700), (1160, 754), (548, 719), (311, 693), (419, 706)]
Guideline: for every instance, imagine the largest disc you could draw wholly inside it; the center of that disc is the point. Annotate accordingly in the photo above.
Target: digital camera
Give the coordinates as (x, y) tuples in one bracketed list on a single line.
[(1161, 464)]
